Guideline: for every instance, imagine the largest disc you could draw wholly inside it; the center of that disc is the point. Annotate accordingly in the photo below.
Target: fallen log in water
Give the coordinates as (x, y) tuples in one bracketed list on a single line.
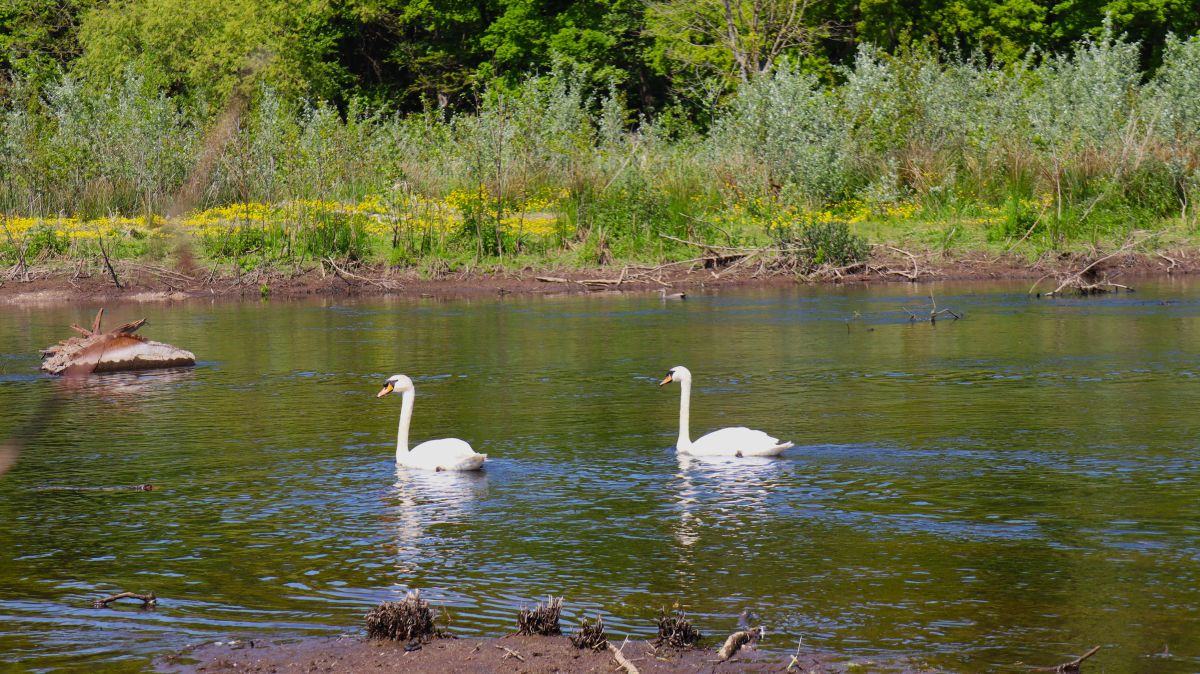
[(117, 350)]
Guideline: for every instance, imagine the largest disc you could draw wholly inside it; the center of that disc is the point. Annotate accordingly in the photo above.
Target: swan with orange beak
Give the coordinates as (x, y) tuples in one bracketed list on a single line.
[(738, 441), (443, 454)]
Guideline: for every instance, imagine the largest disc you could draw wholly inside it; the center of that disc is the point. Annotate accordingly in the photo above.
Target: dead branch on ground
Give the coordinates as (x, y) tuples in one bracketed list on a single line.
[(1087, 281), (510, 653), (108, 263), (619, 656), (910, 275), (386, 284)]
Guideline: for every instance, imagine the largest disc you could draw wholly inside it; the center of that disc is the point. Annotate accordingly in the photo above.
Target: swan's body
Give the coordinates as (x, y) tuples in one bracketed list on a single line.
[(736, 441), (444, 454), (662, 293)]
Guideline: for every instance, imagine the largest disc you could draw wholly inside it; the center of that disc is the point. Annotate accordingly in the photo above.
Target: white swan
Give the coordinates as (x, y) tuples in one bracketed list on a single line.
[(444, 454), (739, 441)]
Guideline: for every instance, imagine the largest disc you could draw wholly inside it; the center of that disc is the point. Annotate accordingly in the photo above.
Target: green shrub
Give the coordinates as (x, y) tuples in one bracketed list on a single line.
[(335, 235), (817, 243)]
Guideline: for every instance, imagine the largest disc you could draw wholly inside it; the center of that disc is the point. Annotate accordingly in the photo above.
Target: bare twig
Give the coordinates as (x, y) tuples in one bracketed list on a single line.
[(1068, 667), (132, 487), (147, 599), (385, 284), (510, 653), (107, 263), (713, 246), (22, 266), (915, 273), (1076, 279), (630, 668)]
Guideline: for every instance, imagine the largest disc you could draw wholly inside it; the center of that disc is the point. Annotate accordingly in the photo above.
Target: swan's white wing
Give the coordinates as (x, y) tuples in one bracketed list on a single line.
[(738, 441), (444, 454)]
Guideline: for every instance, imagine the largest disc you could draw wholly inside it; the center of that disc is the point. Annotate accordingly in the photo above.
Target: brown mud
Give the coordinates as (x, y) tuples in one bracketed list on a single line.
[(148, 283), (504, 655)]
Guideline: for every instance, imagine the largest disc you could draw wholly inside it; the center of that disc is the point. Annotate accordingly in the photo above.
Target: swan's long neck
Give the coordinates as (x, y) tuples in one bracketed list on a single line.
[(685, 402), (406, 408)]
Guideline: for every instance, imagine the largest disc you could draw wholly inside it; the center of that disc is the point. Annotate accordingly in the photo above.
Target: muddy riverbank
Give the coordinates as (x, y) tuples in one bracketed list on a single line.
[(137, 282)]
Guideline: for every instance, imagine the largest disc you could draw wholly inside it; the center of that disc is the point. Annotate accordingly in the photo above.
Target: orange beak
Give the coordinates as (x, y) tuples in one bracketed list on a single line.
[(385, 390), (666, 380)]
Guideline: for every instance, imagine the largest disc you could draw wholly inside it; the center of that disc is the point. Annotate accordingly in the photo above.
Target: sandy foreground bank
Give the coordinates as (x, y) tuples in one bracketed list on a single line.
[(502, 655)]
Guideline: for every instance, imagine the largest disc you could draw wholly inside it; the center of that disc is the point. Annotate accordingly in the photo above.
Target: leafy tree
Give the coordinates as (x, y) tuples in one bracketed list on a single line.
[(37, 37), (207, 47)]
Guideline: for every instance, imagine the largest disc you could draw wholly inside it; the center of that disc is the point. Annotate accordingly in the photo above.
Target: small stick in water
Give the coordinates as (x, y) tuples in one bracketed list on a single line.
[(147, 599), (132, 487), (1072, 667)]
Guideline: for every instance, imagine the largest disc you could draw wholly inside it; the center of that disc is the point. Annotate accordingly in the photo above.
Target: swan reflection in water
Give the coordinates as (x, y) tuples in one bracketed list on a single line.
[(426, 500), (715, 491)]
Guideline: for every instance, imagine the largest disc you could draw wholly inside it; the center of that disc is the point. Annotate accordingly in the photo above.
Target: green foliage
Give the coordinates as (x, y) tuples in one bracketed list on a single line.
[(1082, 143), (336, 236), (1020, 218), (206, 48), (42, 241), (814, 243), (38, 37), (266, 241)]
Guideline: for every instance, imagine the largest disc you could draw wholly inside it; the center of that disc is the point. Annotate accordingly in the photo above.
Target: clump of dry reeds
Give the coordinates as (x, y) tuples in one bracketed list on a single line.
[(590, 635), (407, 620), (676, 631), (542, 620)]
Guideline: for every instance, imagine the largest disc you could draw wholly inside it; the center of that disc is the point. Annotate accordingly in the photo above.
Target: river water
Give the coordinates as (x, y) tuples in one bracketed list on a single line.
[(1016, 486)]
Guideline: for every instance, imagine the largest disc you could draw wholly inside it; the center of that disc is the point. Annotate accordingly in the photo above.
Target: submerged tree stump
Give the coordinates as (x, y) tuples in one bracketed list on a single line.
[(117, 350)]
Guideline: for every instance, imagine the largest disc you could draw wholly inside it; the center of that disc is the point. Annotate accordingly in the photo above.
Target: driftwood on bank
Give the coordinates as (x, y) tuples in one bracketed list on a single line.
[(148, 600), (623, 661), (737, 640), (1089, 280), (115, 350)]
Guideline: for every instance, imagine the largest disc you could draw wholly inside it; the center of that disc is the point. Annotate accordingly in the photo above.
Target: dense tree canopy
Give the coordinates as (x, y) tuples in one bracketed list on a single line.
[(411, 54)]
